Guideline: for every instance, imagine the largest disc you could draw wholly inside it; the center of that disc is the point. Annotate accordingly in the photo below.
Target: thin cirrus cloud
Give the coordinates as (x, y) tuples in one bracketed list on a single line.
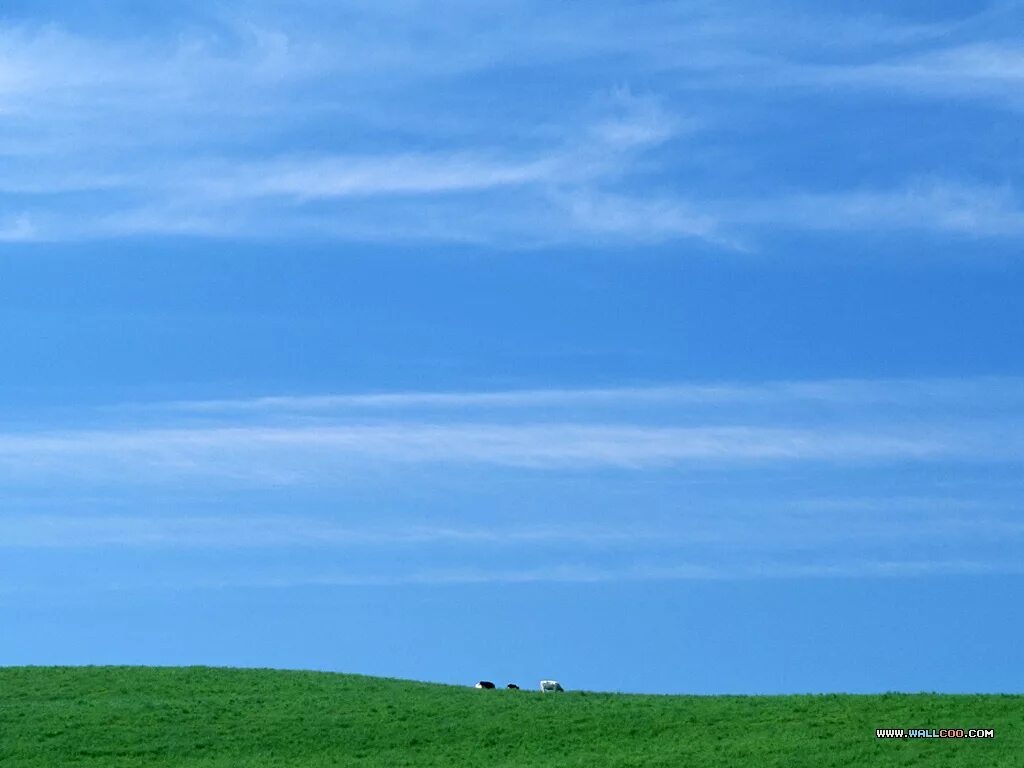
[(297, 454), (364, 176), (573, 573), (294, 439), (776, 525), (933, 205), (981, 70), (285, 531), (543, 216), (935, 393), (567, 573), (108, 135), (690, 481)]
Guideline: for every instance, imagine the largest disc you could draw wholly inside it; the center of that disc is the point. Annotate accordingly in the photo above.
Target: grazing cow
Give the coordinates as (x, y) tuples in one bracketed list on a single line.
[(485, 684), (512, 686), (547, 686)]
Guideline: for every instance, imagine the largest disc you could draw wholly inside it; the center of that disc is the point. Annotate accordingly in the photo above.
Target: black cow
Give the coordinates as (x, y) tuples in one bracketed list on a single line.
[(485, 684), (512, 686)]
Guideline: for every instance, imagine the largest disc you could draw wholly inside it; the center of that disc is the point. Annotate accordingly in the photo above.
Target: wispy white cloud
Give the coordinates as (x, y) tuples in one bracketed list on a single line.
[(575, 573), (641, 219), (331, 449), (939, 392), (18, 229), (399, 174), (938, 206), (262, 532), (977, 70), (261, 123), (548, 213), (538, 185), (284, 531), (931, 206), (703, 572), (262, 454), (298, 439), (723, 531)]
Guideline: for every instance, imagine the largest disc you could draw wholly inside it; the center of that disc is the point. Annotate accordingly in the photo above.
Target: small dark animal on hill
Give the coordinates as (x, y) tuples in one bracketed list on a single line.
[(485, 684), (513, 686)]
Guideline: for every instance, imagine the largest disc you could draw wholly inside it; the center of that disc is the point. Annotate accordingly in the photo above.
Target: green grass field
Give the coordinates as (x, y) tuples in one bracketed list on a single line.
[(141, 716)]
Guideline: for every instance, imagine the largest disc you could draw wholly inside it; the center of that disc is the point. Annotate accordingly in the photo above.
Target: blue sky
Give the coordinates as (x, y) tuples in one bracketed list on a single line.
[(651, 346)]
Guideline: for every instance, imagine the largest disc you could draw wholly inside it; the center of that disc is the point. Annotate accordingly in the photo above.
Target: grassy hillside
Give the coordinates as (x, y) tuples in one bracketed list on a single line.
[(124, 716)]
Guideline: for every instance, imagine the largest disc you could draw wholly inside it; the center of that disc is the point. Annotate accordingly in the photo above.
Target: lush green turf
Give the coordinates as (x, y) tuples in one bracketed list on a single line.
[(131, 716)]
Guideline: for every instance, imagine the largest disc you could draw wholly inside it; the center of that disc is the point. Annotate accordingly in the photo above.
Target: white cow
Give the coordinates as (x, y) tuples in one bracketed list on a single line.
[(547, 686)]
